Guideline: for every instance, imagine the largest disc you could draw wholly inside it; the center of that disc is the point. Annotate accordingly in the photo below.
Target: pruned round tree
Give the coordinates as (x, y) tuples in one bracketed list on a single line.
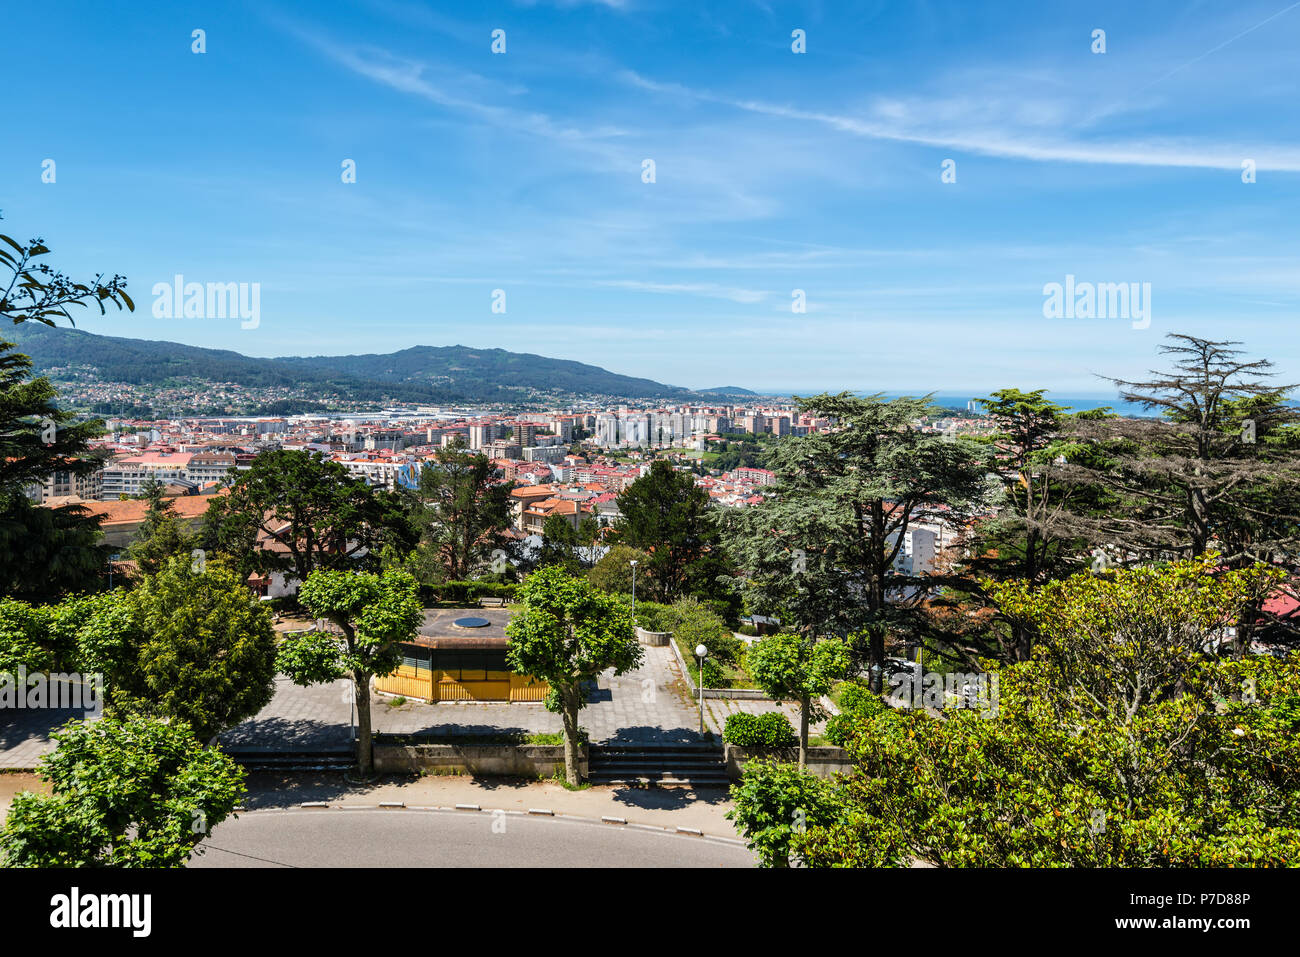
[(567, 632), (374, 615), (792, 667)]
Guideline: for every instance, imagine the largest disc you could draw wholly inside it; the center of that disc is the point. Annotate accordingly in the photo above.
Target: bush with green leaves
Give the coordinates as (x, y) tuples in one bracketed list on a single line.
[(133, 793), (24, 637), (653, 616), (857, 703), (775, 803), (771, 729), (45, 637), (1119, 744)]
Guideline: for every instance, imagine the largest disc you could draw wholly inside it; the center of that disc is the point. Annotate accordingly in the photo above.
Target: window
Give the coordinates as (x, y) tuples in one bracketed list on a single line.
[(470, 664), (414, 656)]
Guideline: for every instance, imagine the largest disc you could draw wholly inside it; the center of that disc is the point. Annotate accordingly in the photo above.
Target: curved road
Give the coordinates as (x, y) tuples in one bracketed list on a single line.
[(435, 837)]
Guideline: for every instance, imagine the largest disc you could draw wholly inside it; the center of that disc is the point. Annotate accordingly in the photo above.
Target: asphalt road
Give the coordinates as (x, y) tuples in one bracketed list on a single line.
[(373, 837)]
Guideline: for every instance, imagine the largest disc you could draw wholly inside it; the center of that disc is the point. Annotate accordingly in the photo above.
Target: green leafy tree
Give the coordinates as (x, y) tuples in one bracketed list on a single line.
[(1121, 743), (792, 667), (312, 511), (613, 573), (566, 632), (588, 540), (1030, 538), (465, 511), (135, 793), (44, 552), (374, 615), (821, 553), (666, 514), (203, 648), (1217, 471), (1184, 479), (161, 536), (777, 802), (559, 544)]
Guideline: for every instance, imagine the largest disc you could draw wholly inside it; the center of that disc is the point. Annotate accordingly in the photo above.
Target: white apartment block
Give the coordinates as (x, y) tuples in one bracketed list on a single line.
[(382, 473), (130, 474)]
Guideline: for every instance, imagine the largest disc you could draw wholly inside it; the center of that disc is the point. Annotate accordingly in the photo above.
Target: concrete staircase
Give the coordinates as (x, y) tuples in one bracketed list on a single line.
[(682, 764), (294, 760)]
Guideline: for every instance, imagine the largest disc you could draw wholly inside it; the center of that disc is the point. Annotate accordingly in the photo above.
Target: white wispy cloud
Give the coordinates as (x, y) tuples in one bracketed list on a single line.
[(411, 76), (901, 122), (707, 289)]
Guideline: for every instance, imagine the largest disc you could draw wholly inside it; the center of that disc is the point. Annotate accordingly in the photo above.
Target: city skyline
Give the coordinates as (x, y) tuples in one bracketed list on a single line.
[(774, 171)]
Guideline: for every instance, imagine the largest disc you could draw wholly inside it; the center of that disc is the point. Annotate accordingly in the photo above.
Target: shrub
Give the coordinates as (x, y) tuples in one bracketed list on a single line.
[(469, 592), (857, 704), (714, 674), (769, 730), (653, 616), (775, 802)]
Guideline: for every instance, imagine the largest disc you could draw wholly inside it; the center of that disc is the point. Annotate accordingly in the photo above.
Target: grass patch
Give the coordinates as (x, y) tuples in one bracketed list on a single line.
[(732, 676), (559, 779)]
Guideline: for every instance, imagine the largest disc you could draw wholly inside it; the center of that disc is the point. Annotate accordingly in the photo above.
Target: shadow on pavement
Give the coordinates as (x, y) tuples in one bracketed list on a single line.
[(282, 734), (646, 734), (652, 798)]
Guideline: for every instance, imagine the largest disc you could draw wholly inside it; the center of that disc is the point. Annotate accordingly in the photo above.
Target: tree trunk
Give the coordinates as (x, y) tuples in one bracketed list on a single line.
[(365, 745), (1245, 630), (877, 645), (570, 710), (1022, 640), (804, 704)]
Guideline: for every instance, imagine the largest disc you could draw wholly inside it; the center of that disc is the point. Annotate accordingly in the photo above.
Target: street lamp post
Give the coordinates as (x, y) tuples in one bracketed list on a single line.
[(633, 563), (701, 652)]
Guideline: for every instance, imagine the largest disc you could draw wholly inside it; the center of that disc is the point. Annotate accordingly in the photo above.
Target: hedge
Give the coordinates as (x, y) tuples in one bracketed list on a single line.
[(769, 730), (469, 592)]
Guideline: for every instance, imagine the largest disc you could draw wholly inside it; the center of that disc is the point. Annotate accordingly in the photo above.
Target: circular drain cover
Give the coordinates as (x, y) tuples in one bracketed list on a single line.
[(471, 622)]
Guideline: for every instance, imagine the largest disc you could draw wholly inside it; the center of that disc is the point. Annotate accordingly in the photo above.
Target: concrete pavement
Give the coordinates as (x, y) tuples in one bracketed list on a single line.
[(650, 703)]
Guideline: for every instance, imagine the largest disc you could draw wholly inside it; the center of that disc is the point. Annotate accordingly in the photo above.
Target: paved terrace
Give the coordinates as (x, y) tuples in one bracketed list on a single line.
[(648, 704)]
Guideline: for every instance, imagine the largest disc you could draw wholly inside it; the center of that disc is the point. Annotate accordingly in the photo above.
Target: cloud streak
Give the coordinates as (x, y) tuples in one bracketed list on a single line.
[(1169, 153)]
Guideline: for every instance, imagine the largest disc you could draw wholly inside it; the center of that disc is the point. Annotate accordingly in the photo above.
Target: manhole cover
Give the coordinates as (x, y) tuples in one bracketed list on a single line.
[(471, 622)]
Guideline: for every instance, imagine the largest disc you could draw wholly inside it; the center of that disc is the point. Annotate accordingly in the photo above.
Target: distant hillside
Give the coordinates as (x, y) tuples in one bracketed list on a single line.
[(437, 374), (727, 390)]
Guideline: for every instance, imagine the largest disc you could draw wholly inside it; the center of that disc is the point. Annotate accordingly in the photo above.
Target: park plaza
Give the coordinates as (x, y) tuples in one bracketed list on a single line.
[(460, 655)]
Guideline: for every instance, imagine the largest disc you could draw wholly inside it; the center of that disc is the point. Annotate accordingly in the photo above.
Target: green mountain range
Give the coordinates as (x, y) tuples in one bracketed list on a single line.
[(426, 374)]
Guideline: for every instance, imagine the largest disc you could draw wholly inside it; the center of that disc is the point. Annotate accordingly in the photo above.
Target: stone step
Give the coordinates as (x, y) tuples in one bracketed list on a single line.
[(642, 761), (692, 780), (658, 746), (293, 761)]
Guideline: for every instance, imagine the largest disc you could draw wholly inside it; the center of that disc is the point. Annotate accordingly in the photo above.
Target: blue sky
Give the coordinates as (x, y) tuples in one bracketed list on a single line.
[(774, 171)]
